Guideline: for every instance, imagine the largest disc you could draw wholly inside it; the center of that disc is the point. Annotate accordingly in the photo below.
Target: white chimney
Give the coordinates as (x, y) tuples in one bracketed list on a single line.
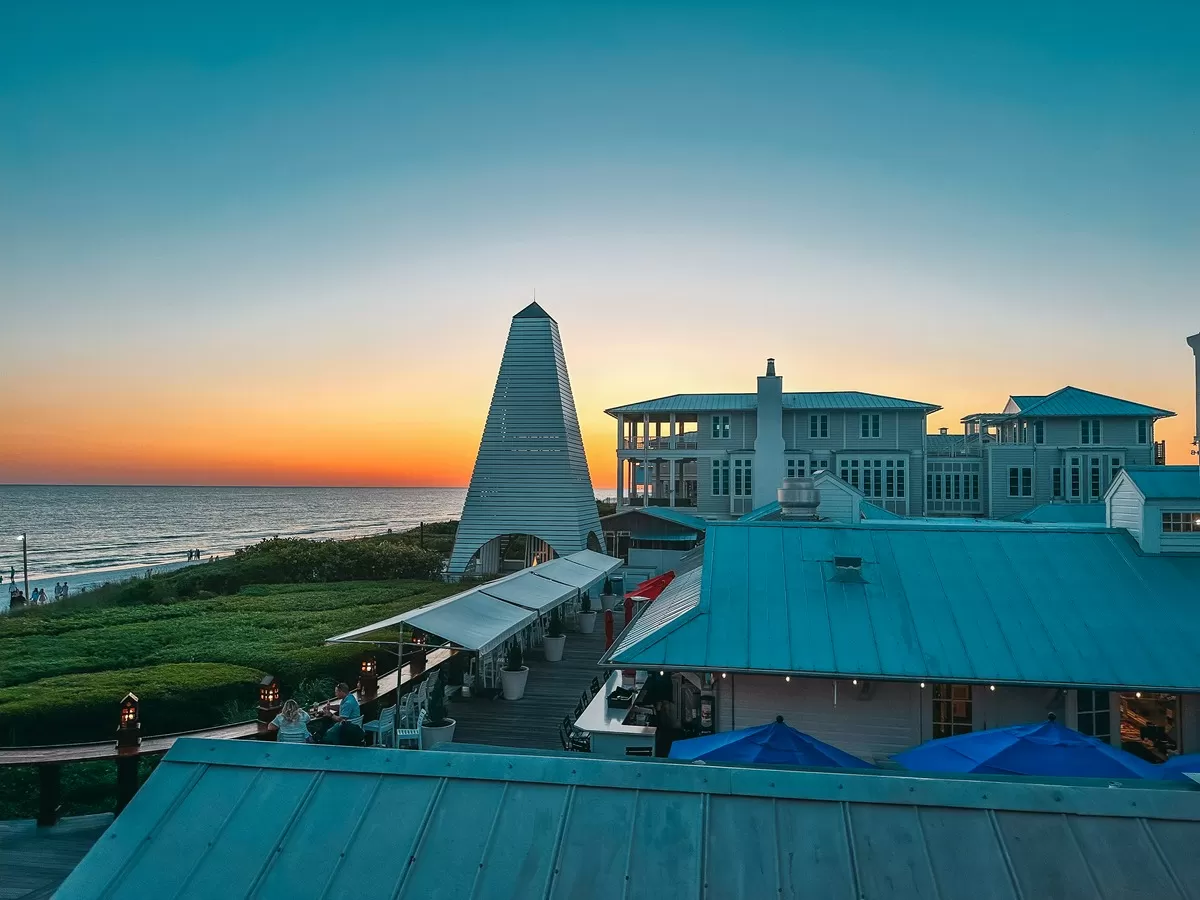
[(768, 441)]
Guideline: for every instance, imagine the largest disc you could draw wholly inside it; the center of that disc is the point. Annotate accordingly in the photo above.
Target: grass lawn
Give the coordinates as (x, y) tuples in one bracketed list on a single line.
[(174, 648), (193, 662)]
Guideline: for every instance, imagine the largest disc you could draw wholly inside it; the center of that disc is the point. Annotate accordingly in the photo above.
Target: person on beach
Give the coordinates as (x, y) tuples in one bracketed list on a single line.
[(66, 590), (57, 591)]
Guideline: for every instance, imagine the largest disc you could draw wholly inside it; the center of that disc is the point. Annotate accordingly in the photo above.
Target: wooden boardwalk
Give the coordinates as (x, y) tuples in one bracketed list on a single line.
[(552, 691), (34, 861)]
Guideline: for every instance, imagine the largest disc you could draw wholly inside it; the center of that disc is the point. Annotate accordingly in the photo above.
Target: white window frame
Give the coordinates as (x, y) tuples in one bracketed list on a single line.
[(1090, 432), (743, 476), (1039, 431), (1056, 483), (720, 428), (720, 477), (869, 475), (941, 704), (1176, 521), (1143, 431), (1095, 472), (1074, 485), (1023, 475), (818, 426), (795, 467), (870, 426)]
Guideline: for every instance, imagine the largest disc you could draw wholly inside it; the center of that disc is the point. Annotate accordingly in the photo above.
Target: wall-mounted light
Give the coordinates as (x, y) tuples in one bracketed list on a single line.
[(722, 674)]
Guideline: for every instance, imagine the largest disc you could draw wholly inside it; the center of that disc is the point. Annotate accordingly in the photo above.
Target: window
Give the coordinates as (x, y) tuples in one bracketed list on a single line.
[(1024, 432), (951, 709), (1089, 431), (1094, 477), (1020, 481), (743, 477), (720, 427), (869, 426), (1075, 467), (720, 477), (1181, 522), (1143, 431), (952, 486), (1039, 432), (1056, 487), (795, 466), (877, 478), (1149, 725), (1114, 467), (818, 426), (820, 464), (1094, 718)]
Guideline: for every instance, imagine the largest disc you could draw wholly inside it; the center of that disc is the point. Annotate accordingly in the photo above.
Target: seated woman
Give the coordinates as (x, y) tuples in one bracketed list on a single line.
[(291, 724)]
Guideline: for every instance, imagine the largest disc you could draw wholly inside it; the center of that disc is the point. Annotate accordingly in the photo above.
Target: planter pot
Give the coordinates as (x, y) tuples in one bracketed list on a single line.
[(553, 647), (608, 601), (587, 622), (432, 735), (512, 684)]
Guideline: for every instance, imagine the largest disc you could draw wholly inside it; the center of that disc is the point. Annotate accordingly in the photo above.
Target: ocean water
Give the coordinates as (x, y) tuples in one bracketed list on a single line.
[(87, 535)]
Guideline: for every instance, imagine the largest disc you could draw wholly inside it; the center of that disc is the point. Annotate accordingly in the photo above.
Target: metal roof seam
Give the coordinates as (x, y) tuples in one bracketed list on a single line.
[(489, 841), (1162, 856), (1005, 854), (702, 846), (560, 831), (247, 791), (852, 849), (924, 842), (1069, 822), (995, 619), (351, 837), (637, 796), (418, 840), (277, 844)]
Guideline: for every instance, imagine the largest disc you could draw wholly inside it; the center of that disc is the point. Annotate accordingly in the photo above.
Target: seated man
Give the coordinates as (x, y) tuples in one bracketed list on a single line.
[(343, 730)]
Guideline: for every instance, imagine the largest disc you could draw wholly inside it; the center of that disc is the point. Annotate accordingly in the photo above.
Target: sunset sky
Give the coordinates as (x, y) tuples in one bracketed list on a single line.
[(256, 244)]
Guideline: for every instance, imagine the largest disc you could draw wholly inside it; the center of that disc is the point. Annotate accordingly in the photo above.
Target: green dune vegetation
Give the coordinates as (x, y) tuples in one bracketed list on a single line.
[(193, 643)]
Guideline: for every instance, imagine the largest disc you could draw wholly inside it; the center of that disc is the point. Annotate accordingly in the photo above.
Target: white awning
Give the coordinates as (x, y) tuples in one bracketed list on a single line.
[(471, 620), (530, 590), (581, 574)]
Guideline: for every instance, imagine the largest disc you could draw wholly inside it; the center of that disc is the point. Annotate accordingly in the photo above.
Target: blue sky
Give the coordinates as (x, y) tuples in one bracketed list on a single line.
[(279, 208)]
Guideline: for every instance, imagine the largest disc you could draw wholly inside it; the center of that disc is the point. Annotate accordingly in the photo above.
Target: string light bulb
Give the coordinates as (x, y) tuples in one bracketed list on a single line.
[(787, 677), (661, 672), (854, 681), (1138, 694), (991, 687), (922, 684), (722, 674)]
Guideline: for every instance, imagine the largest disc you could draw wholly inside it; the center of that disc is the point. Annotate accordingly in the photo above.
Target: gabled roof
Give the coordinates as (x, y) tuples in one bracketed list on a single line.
[(1073, 401), (246, 818), (1003, 604), (1022, 401), (1166, 482), (670, 514), (1061, 513), (815, 400)]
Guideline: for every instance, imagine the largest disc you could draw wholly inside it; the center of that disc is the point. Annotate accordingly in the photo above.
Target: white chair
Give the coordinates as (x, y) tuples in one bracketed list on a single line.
[(422, 693), (408, 705), (382, 728), (404, 735), (290, 737)]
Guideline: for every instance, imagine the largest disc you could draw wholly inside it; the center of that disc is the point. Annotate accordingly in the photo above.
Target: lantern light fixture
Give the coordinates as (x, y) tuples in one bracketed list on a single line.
[(368, 679), (268, 691), (129, 727)]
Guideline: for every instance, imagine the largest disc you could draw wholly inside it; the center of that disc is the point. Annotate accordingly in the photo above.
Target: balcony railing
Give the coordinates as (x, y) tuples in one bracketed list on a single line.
[(684, 442)]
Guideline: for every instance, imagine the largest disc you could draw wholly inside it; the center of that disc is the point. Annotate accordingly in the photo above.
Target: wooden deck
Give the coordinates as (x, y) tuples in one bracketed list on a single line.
[(34, 861), (552, 691)]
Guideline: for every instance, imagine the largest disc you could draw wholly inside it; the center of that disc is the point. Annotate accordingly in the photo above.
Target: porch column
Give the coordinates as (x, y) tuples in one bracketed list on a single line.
[(673, 462), (646, 460), (620, 479)]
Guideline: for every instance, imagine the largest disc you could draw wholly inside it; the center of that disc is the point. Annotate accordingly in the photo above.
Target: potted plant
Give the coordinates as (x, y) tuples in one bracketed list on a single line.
[(587, 616), (608, 600), (514, 674), (556, 638), (438, 728)]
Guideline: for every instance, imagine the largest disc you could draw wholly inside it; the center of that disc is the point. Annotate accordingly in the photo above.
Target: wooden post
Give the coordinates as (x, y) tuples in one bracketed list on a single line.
[(49, 798), (127, 778), (608, 628)]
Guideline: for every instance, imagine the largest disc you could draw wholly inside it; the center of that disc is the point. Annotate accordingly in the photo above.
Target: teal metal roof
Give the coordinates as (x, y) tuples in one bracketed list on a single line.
[(675, 515), (1062, 514), (1023, 401), (945, 444), (240, 819), (1073, 401), (793, 400), (1002, 604), (1166, 482)]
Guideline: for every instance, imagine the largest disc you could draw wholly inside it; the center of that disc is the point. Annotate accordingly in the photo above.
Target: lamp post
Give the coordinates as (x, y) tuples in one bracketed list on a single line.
[(24, 539), (268, 704)]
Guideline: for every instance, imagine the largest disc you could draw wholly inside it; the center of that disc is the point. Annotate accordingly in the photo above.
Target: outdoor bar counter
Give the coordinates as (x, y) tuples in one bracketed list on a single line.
[(610, 735)]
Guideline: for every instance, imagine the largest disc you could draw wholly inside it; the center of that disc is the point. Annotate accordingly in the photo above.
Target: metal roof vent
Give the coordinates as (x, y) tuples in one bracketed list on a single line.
[(848, 569), (799, 499), (943, 430)]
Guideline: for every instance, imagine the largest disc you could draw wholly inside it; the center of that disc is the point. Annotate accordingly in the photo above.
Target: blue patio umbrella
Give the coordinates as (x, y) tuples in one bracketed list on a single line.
[(771, 743), (1045, 748), (1175, 767)]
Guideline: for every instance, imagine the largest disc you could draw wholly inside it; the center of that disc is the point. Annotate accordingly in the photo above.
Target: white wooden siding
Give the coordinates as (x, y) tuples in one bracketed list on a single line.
[(1125, 509)]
